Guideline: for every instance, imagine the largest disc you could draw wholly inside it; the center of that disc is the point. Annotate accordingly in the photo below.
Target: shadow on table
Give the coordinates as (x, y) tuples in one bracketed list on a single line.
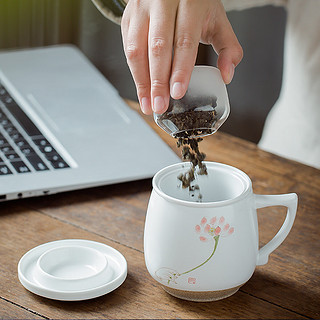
[(118, 303), (96, 307), (287, 292), (69, 198), (241, 305), (9, 207), (125, 189)]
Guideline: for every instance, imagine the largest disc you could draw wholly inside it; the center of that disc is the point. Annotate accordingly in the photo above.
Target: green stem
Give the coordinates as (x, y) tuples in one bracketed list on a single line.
[(216, 239)]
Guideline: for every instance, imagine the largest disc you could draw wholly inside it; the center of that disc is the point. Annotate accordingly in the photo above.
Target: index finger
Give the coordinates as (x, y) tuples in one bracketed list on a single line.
[(186, 42), (161, 32)]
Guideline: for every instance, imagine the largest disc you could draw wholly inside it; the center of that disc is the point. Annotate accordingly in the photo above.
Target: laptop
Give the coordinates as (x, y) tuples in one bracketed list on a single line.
[(63, 127)]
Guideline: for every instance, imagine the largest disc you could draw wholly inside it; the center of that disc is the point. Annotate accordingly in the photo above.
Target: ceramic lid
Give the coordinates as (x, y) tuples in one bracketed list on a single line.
[(72, 269)]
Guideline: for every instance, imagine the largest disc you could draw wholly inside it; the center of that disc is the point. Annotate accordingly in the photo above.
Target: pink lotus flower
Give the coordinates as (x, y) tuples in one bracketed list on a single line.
[(215, 227), (207, 230)]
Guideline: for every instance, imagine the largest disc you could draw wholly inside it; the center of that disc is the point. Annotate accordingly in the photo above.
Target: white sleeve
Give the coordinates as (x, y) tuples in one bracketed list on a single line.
[(246, 4)]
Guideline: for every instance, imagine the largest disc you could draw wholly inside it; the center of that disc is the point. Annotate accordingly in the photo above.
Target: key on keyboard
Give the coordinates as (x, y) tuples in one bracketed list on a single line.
[(16, 149)]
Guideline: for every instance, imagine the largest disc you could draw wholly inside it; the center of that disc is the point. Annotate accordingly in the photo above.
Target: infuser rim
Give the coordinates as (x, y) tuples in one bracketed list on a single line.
[(247, 190)]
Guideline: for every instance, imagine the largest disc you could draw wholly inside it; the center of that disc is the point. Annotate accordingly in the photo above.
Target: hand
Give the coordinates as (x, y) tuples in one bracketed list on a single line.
[(161, 39)]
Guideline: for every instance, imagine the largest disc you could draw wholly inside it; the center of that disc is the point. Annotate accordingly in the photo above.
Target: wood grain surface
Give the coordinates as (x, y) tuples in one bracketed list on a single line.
[(286, 288), (11, 311)]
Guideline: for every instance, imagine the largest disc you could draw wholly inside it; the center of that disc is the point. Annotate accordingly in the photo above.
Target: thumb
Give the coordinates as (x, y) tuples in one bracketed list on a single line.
[(226, 45)]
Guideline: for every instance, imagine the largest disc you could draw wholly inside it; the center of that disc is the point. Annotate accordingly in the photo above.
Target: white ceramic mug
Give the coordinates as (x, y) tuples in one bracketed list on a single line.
[(205, 251)]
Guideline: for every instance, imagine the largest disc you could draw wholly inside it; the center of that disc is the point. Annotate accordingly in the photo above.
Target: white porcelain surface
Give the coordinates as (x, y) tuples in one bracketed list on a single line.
[(72, 269), (211, 245)]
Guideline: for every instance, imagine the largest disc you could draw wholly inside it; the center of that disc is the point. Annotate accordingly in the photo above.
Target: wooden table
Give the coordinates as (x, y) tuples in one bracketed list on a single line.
[(286, 288)]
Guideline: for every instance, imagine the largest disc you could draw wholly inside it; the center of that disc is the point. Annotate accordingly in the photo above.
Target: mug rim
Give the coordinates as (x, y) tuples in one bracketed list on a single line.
[(233, 170)]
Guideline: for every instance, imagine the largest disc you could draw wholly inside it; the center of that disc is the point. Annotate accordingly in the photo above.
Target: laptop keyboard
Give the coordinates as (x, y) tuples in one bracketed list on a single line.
[(27, 150)]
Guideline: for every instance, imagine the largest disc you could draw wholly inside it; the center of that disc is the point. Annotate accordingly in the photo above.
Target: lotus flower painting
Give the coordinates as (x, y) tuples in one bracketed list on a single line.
[(208, 231)]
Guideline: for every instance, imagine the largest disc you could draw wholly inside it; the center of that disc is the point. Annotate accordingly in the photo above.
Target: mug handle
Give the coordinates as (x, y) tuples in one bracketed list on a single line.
[(290, 201)]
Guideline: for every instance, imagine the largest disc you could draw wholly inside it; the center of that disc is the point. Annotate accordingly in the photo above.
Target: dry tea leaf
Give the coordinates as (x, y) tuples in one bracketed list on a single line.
[(190, 152)]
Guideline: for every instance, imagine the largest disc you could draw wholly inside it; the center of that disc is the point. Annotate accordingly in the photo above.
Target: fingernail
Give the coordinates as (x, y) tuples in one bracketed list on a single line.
[(177, 90), (231, 73), (158, 104), (145, 105)]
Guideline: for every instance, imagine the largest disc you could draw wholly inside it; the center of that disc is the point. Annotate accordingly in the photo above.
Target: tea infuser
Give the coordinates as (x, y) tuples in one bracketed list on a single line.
[(202, 110)]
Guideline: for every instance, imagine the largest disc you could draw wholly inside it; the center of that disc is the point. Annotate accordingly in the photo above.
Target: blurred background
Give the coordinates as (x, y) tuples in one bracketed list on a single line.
[(252, 93)]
